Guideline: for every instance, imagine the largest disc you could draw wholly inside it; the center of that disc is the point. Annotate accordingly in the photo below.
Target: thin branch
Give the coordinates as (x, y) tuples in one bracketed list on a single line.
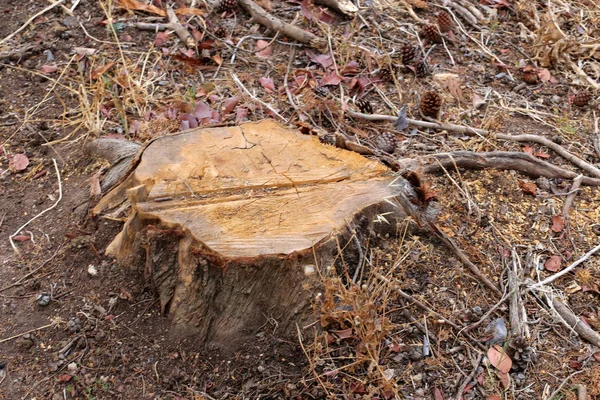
[(565, 271), (41, 213), (30, 20)]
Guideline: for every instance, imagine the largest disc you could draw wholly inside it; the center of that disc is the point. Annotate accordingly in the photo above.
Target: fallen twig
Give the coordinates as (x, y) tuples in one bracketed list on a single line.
[(30, 20), (462, 256), (571, 197), (53, 323), (468, 379), (10, 238), (261, 16), (484, 133), (241, 85), (582, 329), (518, 161), (565, 271), (181, 32)]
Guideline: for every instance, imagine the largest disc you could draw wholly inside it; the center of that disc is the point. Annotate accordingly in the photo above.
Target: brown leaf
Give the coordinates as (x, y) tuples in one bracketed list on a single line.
[(437, 394), (558, 223), (140, 6), (597, 356), (21, 238), (230, 104), (331, 79), (343, 334), (528, 187), (161, 38), (324, 60), (125, 294), (542, 155), (190, 11), (241, 114), (48, 69), (18, 163), (528, 149), (499, 359), (101, 70), (263, 50), (95, 188), (493, 397), (504, 379), (553, 263), (267, 84), (64, 378)]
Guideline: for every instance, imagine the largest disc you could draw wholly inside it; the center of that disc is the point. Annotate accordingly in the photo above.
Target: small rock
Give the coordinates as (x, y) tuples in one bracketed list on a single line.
[(72, 367), (74, 325), (543, 183), (415, 355), (43, 299), (92, 270), (25, 342), (260, 369)]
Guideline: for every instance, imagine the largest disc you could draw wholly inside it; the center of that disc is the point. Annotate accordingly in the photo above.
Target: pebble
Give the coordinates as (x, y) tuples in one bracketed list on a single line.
[(43, 299)]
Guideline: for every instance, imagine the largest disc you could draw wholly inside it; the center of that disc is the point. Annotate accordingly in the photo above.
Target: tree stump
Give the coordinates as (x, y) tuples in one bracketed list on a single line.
[(234, 225)]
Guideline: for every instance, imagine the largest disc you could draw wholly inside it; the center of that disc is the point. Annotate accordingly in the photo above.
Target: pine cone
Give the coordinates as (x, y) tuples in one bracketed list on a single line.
[(431, 102), (364, 106), (530, 77), (408, 52), (220, 32), (328, 138), (225, 5), (421, 68), (582, 99), (430, 32), (321, 91), (445, 22), (386, 142), (386, 73)]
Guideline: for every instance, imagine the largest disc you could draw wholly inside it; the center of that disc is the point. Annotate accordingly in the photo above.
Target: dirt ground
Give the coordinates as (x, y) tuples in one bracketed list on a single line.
[(101, 334)]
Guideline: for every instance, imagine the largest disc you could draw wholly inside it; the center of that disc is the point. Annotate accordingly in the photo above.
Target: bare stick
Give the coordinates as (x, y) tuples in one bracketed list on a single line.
[(563, 384), (484, 133), (183, 33), (30, 20), (518, 161), (462, 256), (571, 197), (41, 213), (271, 22), (54, 323), (565, 271), (468, 379)]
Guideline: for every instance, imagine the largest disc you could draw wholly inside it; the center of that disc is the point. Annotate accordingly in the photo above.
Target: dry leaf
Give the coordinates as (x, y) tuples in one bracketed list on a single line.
[(263, 50), (494, 397), (499, 358), (528, 149), (528, 187), (267, 84), (553, 263), (504, 379), (331, 79), (21, 238), (48, 69), (437, 394), (230, 104), (558, 223), (161, 38), (139, 6), (542, 155), (101, 70), (343, 334), (18, 163)]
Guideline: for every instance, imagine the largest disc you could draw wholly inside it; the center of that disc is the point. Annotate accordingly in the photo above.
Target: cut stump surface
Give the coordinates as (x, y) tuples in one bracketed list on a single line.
[(230, 221)]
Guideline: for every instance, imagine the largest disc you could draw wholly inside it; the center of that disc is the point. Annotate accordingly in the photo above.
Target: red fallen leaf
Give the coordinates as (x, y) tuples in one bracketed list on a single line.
[(48, 69), (217, 59), (499, 359), (101, 70), (64, 378), (542, 155), (528, 149), (558, 223), (202, 111), (553, 263), (324, 60), (323, 16), (21, 238), (161, 38), (575, 364), (230, 104), (493, 397), (109, 317), (241, 114), (590, 287), (437, 394), (528, 187), (597, 356), (358, 388), (267, 84), (263, 50), (481, 379), (140, 6), (395, 348), (504, 379), (215, 117), (305, 7), (207, 44), (40, 174), (331, 79), (352, 68), (544, 74), (18, 163)]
